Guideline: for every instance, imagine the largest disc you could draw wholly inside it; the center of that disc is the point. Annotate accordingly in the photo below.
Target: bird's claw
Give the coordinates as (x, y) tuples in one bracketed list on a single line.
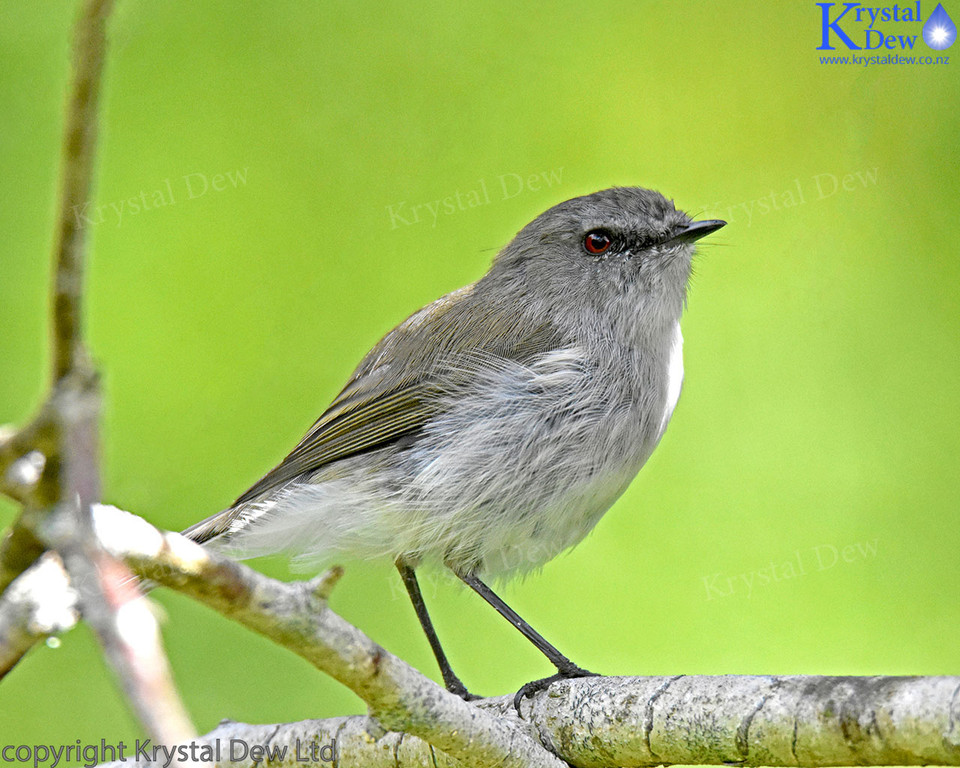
[(535, 686)]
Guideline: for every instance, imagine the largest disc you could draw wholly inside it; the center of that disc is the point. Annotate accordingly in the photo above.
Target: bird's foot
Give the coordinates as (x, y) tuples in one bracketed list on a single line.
[(455, 686), (535, 686)]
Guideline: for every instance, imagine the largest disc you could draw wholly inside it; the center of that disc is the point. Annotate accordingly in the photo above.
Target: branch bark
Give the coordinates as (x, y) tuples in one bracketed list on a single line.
[(753, 721), (635, 722)]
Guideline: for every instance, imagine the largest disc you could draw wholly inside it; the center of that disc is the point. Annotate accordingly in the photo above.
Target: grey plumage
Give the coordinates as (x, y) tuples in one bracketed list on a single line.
[(491, 429)]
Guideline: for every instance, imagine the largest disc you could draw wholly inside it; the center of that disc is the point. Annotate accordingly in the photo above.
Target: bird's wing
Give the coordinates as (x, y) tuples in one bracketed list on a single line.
[(352, 427), (356, 421), (397, 387)]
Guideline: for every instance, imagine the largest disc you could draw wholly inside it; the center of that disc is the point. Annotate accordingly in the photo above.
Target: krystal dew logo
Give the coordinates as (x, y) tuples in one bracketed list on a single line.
[(861, 27)]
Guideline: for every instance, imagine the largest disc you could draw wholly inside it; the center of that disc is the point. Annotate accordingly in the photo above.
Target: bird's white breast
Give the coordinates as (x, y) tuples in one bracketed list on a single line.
[(674, 376)]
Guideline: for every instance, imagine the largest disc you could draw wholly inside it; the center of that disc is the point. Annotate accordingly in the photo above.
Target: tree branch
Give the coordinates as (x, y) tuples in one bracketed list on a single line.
[(640, 722), (753, 721)]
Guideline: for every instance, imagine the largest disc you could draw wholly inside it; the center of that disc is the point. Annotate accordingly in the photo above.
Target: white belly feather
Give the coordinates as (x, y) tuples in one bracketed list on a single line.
[(674, 376)]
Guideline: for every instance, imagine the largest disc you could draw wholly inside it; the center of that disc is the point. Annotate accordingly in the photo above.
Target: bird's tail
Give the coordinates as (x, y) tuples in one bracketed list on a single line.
[(212, 527)]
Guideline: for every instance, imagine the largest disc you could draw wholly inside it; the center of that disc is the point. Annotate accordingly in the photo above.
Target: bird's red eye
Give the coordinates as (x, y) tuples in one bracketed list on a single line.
[(597, 242)]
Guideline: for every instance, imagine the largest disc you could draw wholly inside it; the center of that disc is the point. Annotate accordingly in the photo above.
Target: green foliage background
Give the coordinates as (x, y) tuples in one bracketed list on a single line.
[(820, 408)]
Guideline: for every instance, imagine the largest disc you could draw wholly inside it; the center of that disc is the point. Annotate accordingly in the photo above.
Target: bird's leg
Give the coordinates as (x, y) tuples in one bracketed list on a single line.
[(451, 681), (565, 667)]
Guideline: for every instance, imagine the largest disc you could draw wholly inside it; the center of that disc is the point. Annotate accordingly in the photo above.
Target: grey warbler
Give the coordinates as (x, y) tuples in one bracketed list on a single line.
[(492, 429)]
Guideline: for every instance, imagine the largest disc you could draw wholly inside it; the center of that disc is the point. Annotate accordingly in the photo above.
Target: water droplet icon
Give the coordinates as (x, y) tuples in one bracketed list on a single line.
[(939, 31)]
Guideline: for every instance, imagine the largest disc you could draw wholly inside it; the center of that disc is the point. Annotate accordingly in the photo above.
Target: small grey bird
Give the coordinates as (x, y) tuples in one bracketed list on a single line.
[(492, 429)]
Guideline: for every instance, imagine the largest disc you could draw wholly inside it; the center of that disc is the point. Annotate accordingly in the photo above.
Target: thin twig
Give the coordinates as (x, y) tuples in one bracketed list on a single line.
[(79, 152)]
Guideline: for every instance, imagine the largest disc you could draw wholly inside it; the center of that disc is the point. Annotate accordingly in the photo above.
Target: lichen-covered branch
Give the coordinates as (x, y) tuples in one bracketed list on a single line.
[(649, 721), (753, 721)]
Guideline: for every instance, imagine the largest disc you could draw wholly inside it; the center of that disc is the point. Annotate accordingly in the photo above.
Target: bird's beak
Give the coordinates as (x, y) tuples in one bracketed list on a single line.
[(695, 230)]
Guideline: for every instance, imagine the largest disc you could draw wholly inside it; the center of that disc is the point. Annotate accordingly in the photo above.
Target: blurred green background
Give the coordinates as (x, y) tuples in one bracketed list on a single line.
[(820, 410)]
